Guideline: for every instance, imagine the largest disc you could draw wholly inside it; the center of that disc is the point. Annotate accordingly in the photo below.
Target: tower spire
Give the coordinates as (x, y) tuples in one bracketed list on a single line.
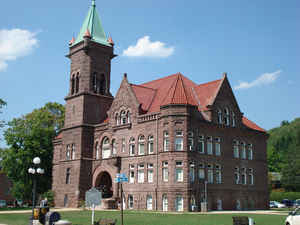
[(94, 3)]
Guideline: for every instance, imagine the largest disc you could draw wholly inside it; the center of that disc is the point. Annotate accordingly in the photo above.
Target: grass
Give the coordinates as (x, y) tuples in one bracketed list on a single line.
[(13, 208), (149, 218)]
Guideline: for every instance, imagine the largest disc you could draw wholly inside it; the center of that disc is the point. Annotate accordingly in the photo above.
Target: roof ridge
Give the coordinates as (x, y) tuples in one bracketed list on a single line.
[(160, 79), (210, 82), (138, 85), (175, 87), (167, 94), (184, 89)]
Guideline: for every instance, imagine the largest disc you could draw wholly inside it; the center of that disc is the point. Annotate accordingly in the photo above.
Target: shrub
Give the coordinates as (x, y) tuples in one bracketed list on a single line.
[(50, 197), (279, 196)]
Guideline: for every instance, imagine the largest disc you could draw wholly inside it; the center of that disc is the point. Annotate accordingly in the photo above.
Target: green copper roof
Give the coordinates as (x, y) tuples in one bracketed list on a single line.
[(92, 23)]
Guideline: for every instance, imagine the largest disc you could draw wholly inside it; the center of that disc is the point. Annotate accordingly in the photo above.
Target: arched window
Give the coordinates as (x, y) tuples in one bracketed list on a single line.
[(142, 145), (192, 172), (210, 174), (251, 180), (114, 147), (218, 174), (150, 145), (220, 121), (166, 141), (123, 117), (131, 146), (191, 141), (227, 116), (73, 84), (97, 148), (179, 203), (128, 117), (165, 202), (73, 151), (233, 120), (237, 175), (77, 83), (105, 148)]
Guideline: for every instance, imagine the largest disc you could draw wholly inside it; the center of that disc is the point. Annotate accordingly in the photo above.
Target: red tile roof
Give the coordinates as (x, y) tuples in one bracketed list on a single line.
[(144, 95), (248, 123)]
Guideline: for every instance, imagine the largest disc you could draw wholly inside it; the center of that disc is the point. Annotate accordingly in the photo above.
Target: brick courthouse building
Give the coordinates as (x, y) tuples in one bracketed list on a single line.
[(169, 136)]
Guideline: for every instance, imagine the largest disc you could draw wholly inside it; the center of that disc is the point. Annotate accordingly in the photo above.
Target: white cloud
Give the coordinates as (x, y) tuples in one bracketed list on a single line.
[(145, 48), (264, 79), (15, 43)]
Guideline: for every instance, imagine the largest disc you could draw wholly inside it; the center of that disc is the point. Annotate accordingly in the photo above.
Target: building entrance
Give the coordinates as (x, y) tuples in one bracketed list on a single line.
[(104, 184)]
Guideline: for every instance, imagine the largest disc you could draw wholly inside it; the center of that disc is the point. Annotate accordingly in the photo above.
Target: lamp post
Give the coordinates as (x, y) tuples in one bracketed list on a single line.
[(36, 170)]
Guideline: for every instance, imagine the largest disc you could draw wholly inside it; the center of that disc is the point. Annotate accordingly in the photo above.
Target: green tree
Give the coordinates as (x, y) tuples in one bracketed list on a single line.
[(2, 122), (27, 137)]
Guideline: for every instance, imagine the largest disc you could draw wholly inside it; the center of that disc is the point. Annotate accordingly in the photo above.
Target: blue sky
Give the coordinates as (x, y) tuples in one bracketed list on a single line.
[(256, 42)]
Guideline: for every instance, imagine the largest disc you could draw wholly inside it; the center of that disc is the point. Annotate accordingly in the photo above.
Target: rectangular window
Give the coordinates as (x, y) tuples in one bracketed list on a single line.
[(130, 201), (192, 172), (165, 172), (210, 174), (131, 149), (141, 174), (141, 148), (150, 145), (201, 144), (179, 141), (237, 175), (179, 172), (131, 174), (201, 171), (244, 176), (166, 141), (123, 145), (68, 174), (209, 146), (218, 146), (190, 141), (179, 203), (218, 174), (150, 173)]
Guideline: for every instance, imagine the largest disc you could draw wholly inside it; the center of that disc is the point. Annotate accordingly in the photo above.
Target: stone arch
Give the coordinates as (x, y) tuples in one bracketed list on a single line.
[(104, 175)]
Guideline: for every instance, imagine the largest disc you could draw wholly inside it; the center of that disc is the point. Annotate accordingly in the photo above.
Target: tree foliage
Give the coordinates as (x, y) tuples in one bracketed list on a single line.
[(284, 153), (27, 137)]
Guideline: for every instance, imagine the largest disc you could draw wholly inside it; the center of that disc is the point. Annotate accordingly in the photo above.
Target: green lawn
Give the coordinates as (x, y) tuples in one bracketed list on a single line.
[(13, 208), (148, 218)]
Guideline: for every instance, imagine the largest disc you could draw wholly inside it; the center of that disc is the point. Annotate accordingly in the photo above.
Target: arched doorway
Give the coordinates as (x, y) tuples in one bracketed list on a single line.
[(104, 184)]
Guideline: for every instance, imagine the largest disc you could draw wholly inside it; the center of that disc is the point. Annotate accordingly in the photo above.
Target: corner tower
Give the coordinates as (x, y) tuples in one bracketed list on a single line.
[(87, 103)]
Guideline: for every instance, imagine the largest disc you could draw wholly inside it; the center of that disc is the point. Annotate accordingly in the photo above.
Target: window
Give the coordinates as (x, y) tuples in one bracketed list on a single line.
[(209, 146), (77, 83), (150, 173), (220, 121), (128, 117), (141, 173), (131, 146), (149, 202), (165, 202), (226, 118), (73, 85), (210, 174), (201, 144), (179, 203), (123, 117), (201, 172), (68, 152), (95, 82), (244, 176), (178, 171), (130, 201), (166, 141), (114, 147), (236, 153), (68, 174), (142, 145), (123, 145), (237, 175), (131, 173), (66, 201), (150, 145), (117, 118), (179, 141), (251, 180), (243, 150), (73, 151), (191, 141), (165, 172), (97, 150), (233, 119), (218, 146), (193, 203), (105, 148), (218, 174), (250, 152), (192, 172)]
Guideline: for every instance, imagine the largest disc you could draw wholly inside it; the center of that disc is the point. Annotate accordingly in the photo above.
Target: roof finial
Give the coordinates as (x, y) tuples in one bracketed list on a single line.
[(93, 2)]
